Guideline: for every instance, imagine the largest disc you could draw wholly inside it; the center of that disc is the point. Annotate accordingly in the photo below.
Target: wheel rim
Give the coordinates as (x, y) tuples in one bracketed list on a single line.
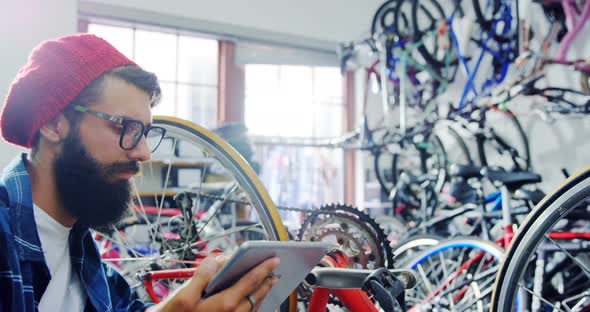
[(538, 250), (457, 275), (221, 204)]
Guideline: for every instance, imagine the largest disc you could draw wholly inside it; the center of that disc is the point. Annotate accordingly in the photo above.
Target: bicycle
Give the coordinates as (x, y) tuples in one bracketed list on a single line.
[(458, 274), (223, 192), (552, 243), (181, 232), (498, 23), (567, 20), (468, 211)]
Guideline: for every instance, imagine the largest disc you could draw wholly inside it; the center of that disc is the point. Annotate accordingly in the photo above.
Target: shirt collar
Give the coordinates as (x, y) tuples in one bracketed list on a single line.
[(83, 251), (15, 179)]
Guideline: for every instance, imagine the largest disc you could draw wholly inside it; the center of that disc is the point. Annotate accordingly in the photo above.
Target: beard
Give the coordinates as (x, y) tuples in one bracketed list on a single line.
[(88, 190)]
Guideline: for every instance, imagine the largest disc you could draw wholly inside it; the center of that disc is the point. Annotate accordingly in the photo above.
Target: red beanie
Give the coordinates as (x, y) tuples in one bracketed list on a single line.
[(55, 73)]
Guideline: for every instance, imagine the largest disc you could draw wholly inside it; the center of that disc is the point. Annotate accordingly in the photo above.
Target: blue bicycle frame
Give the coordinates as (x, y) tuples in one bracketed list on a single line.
[(500, 54)]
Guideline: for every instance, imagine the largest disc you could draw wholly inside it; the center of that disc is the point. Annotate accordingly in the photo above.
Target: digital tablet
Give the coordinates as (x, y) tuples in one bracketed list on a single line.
[(297, 260)]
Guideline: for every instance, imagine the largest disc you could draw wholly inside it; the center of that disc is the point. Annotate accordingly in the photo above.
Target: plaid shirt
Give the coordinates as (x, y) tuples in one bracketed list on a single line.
[(24, 275)]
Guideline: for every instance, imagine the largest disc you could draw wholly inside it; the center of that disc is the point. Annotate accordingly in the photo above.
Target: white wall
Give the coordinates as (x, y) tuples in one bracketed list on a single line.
[(23, 25), (554, 144)]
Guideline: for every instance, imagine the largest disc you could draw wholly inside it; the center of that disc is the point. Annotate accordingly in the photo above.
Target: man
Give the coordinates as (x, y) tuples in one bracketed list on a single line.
[(83, 109)]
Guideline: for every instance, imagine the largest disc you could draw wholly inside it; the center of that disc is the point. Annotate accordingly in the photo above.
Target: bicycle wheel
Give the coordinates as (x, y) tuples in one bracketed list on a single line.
[(506, 133), (407, 249), (485, 11), (427, 156), (457, 275), (457, 150), (384, 19), (429, 22), (548, 258), (195, 196), (500, 18)]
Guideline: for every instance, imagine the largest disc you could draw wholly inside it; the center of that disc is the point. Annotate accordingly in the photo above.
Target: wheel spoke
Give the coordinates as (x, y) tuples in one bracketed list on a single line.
[(584, 268), (540, 298)]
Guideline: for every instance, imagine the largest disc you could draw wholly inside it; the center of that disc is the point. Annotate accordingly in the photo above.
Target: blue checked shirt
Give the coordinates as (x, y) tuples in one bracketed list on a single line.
[(24, 275)]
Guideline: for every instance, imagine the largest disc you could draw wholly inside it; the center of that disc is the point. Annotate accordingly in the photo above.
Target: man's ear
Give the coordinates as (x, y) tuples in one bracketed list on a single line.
[(56, 129)]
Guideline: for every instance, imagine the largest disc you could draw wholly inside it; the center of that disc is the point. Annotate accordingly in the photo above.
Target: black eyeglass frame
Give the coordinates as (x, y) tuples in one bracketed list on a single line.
[(125, 122)]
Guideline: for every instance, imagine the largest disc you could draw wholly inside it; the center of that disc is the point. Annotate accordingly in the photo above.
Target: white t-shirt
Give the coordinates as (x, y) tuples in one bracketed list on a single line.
[(65, 291)]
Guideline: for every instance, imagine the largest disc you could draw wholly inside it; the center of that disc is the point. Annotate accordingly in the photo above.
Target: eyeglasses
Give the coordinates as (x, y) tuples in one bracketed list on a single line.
[(132, 130)]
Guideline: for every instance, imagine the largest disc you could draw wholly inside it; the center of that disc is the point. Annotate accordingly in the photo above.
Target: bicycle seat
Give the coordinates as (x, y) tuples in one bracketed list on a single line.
[(535, 196), (512, 180), (465, 171)]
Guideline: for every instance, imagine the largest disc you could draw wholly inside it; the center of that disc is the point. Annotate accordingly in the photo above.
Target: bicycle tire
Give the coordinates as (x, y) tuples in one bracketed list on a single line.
[(486, 21), (414, 245), (402, 20), (237, 165), (379, 19), (523, 148), (429, 57), (462, 146), (546, 214), (233, 164), (441, 174), (471, 283)]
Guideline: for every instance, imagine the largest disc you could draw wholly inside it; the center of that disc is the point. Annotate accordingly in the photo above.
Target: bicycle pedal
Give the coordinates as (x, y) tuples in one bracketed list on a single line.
[(386, 288)]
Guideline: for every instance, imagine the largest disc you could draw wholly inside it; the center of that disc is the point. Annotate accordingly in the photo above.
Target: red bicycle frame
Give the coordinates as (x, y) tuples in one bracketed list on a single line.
[(352, 299)]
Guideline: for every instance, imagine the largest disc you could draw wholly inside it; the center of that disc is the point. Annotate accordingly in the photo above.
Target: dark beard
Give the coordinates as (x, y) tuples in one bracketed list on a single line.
[(87, 190)]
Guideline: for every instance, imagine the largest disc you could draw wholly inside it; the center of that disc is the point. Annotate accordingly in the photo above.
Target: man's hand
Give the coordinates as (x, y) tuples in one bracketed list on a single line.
[(255, 283)]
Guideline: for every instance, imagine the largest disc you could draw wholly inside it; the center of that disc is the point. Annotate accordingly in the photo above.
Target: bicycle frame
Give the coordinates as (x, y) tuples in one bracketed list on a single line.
[(574, 27), (353, 299), (471, 73), (574, 23)]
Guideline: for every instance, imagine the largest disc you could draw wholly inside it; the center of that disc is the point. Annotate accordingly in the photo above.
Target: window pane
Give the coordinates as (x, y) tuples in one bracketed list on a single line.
[(291, 100), (197, 60), (296, 101), (262, 94), (296, 85), (198, 104), (120, 37), (156, 52), (327, 83), (328, 121), (167, 105)]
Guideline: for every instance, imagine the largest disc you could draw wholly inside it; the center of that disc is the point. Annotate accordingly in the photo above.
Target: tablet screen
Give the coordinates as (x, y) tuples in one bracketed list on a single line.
[(297, 260)]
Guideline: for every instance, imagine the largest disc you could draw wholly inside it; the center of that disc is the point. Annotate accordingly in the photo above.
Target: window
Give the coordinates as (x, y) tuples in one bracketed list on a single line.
[(185, 64), (294, 101), (288, 102)]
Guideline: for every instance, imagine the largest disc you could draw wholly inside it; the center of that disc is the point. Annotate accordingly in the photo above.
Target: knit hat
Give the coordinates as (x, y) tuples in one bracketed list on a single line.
[(55, 73)]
